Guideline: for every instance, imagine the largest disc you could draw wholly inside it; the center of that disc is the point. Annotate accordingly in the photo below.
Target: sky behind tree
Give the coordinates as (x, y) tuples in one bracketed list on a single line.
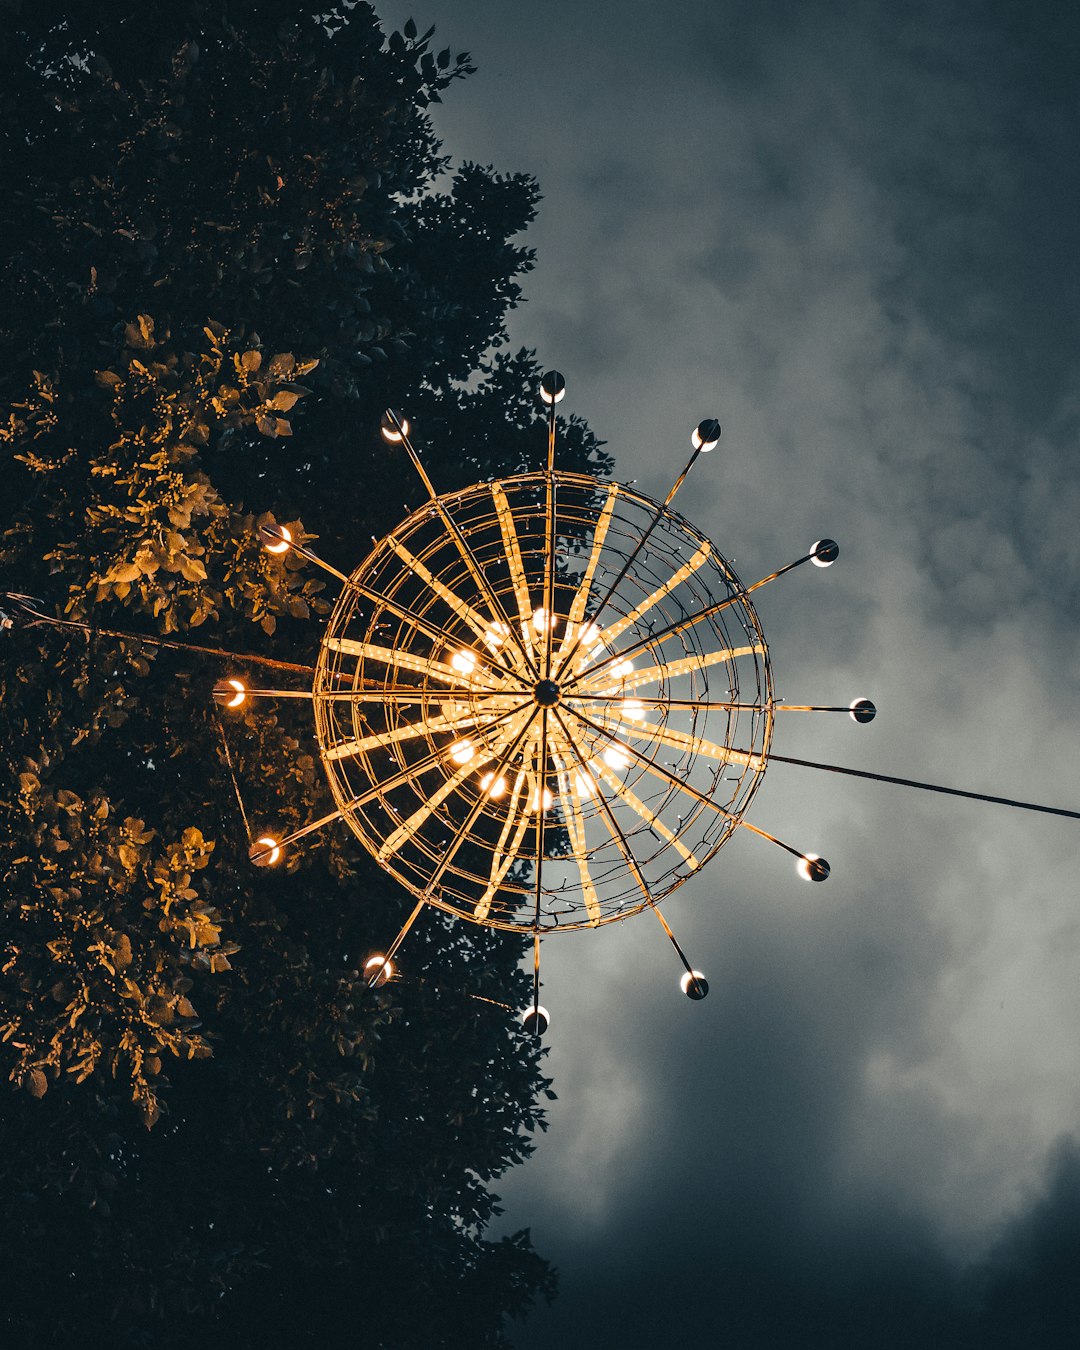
[(850, 232)]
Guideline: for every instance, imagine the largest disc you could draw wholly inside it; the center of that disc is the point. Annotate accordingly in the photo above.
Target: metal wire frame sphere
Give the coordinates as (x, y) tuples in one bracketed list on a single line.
[(451, 709)]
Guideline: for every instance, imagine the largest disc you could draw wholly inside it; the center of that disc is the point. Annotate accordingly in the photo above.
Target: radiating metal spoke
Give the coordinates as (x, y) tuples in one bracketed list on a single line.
[(517, 573), (633, 679), (679, 740)]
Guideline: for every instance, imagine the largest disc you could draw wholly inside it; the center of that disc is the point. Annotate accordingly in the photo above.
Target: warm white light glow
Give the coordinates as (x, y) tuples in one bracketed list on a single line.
[(634, 709), (462, 752), (283, 543), (496, 635), (590, 633), (464, 662), (384, 967), (548, 799), (684, 983), (621, 669), (540, 620), (494, 787), (616, 758), (271, 849), (391, 433), (803, 865), (585, 784)]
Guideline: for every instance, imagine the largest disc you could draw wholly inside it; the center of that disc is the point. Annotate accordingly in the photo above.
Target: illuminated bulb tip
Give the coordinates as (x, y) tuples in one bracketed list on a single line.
[(389, 427), (231, 693), (694, 985), (265, 852), (536, 1020), (541, 621), (463, 662), (863, 711), (462, 752), (590, 633), (634, 709), (552, 387), (621, 669), (706, 434), (377, 970), (585, 785), (825, 552), (615, 758), (547, 799), (275, 538), (496, 636), (812, 868), (494, 787)]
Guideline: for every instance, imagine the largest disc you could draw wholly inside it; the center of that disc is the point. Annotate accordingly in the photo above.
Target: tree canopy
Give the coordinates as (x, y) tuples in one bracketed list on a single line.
[(231, 240)]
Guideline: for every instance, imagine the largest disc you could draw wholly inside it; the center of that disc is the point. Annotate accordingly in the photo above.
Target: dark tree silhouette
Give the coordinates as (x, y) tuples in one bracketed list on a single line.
[(229, 242)]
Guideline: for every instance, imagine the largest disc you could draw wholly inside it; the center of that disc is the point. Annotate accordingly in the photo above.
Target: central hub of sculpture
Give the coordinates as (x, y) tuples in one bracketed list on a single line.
[(547, 693)]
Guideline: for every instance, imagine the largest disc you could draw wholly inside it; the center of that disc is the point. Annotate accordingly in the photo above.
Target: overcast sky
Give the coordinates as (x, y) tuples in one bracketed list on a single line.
[(850, 231)]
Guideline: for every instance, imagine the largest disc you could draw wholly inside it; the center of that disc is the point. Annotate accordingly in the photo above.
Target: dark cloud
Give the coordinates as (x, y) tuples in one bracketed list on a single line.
[(851, 230)]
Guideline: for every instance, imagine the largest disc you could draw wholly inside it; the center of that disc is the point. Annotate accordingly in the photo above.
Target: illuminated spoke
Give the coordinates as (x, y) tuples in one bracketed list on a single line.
[(480, 625), (411, 693), (616, 630), (575, 824), (633, 679), (426, 727), (541, 812), (515, 825), (580, 602), (614, 829), (679, 740), (409, 827), (419, 665), (517, 569)]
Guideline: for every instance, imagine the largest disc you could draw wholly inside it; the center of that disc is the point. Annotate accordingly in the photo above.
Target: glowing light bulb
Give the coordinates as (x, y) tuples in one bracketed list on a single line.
[(547, 799), (464, 662), (590, 633), (230, 693), (378, 969), (265, 851), (694, 984), (541, 620), (825, 552), (621, 669), (494, 787), (462, 752), (536, 1020), (389, 430), (585, 784), (495, 636), (276, 538), (615, 758), (634, 709), (812, 868)]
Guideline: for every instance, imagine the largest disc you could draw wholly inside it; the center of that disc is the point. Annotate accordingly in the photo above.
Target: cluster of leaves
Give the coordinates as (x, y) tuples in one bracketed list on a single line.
[(235, 245)]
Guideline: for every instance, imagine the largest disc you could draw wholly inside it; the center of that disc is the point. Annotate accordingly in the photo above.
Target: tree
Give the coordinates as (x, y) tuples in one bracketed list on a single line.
[(230, 244)]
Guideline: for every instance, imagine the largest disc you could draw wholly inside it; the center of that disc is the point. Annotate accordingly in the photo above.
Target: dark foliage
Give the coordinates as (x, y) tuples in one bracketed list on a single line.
[(229, 242)]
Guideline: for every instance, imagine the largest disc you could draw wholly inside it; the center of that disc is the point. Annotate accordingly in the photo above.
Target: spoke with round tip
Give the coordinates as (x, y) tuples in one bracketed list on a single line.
[(693, 704), (928, 787), (682, 625), (296, 835), (549, 548), (690, 791), (658, 515), (392, 950)]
